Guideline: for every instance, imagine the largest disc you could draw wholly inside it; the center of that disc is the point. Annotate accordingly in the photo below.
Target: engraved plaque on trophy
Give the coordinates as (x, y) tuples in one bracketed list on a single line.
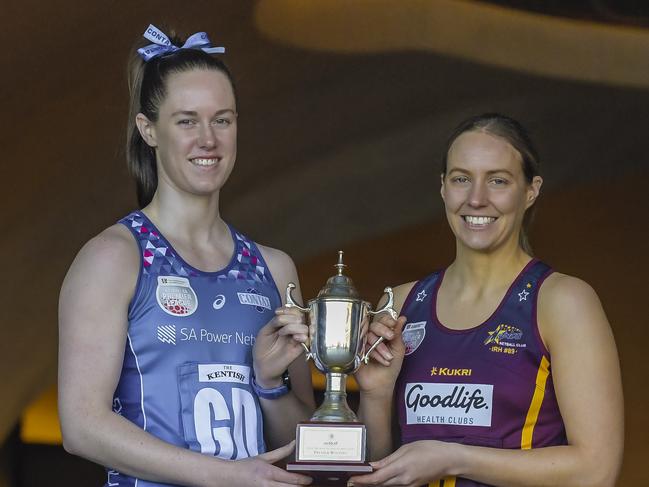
[(331, 447)]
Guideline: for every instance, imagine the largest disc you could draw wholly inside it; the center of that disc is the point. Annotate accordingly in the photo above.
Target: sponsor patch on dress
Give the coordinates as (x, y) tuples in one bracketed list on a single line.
[(413, 334), (452, 404), (239, 374), (254, 298), (176, 296)]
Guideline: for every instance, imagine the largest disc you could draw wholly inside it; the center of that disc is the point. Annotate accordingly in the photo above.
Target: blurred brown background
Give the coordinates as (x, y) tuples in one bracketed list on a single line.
[(344, 110)]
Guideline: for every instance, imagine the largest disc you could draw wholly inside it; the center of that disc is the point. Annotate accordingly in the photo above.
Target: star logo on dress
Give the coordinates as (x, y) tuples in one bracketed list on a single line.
[(522, 296), (421, 296)]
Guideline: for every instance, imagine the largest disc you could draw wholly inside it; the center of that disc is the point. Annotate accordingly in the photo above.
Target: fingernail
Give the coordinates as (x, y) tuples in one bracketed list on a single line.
[(389, 355)]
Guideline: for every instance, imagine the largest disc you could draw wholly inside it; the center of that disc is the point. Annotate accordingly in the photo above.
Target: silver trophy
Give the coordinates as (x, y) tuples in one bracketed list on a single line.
[(333, 441)]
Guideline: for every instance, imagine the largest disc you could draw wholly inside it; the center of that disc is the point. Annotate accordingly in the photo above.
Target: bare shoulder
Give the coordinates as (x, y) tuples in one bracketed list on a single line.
[(275, 258), (568, 306), (113, 255), (561, 293), (114, 247), (281, 266)]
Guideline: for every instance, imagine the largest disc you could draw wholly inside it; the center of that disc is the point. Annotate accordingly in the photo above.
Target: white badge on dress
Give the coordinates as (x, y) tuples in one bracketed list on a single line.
[(176, 296), (413, 334)]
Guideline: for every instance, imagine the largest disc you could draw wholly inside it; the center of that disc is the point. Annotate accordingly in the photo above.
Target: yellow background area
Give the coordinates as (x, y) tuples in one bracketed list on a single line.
[(319, 380), (40, 421)]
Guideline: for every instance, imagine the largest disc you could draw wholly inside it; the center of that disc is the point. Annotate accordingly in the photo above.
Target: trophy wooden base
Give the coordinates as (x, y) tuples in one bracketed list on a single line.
[(329, 473), (330, 452)]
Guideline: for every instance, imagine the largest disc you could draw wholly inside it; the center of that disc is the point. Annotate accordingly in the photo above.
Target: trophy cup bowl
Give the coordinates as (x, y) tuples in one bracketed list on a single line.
[(332, 445), (338, 336)]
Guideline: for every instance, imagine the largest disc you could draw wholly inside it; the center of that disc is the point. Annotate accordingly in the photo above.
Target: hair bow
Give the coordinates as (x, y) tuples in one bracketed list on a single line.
[(162, 45)]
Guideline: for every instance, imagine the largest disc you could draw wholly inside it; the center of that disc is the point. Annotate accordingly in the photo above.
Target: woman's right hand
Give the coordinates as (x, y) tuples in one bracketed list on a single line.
[(380, 374), (260, 470), (278, 344)]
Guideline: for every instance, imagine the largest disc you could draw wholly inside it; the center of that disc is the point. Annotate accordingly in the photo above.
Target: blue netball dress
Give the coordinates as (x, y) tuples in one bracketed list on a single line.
[(188, 359), (490, 385)]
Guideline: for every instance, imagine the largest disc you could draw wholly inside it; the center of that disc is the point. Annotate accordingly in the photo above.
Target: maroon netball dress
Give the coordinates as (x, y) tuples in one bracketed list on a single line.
[(490, 385)]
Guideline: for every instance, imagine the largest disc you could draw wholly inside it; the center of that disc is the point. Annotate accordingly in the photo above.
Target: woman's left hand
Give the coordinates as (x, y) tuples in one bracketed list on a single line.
[(382, 370), (277, 345), (412, 465)]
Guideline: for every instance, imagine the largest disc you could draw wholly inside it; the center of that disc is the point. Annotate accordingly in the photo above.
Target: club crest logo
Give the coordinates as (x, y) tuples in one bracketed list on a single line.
[(503, 333), (176, 296), (413, 334)]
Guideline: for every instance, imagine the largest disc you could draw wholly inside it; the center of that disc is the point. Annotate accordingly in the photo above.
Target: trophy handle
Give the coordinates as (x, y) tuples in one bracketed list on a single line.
[(290, 303), (387, 307)]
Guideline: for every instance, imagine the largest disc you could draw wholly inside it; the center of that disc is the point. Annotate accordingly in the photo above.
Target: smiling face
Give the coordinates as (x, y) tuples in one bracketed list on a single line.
[(485, 191), (195, 135)]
